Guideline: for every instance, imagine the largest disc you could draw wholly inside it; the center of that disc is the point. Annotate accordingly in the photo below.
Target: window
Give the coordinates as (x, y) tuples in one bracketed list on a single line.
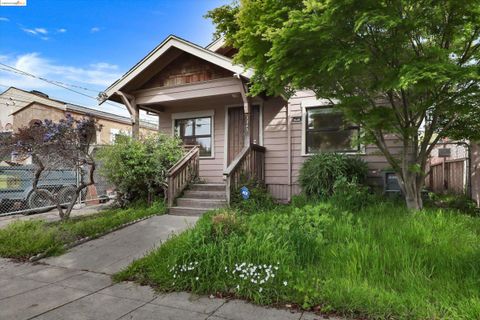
[(196, 131), (326, 130)]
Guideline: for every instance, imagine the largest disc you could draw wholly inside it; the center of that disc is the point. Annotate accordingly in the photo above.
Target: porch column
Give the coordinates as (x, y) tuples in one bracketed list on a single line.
[(135, 121), (134, 110), (247, 107)]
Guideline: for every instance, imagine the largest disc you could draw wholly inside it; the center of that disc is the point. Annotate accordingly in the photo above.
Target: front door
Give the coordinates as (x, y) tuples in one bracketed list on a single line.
[(236, 125)]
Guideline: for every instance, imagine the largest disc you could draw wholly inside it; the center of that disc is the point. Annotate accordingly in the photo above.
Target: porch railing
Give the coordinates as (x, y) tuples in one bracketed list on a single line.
[(182, 173), (248, 165)]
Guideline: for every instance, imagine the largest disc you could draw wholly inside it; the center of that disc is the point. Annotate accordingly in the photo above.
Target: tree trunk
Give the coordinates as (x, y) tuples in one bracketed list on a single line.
[(413, 192)]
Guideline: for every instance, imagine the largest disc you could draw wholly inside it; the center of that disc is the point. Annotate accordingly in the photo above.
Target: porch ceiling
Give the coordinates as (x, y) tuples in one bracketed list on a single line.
[(194, 103), (170, 95)]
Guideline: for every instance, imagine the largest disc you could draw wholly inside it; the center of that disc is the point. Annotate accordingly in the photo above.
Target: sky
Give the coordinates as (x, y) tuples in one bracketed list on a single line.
[(89, 44)]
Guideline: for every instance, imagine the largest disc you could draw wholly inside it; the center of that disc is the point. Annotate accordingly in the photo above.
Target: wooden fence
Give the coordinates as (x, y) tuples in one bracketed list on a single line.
[(448, 177)]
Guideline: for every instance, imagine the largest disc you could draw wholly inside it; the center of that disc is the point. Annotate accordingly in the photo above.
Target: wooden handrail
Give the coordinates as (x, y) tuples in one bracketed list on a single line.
[(249, 164), (182, 173)]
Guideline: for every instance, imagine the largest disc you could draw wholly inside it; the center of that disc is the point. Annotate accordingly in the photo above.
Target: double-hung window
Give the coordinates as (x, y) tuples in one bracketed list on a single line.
[(196, 131), (326, 130)]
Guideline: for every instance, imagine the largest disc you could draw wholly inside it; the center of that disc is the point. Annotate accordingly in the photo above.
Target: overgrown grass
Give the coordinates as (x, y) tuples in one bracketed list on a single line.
[(380, 261), (23, 239)]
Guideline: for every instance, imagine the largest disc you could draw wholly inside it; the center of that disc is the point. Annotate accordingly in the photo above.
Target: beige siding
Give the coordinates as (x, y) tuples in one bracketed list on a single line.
[(275, 142)]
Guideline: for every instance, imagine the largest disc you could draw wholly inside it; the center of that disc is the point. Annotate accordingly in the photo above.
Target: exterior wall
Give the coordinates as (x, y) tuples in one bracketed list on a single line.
[(20, 98), (36, 111), (276, 144), (475, 172)]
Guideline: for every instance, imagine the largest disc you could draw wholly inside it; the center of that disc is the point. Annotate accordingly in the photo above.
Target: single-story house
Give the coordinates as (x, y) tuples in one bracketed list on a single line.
[(201, 96)]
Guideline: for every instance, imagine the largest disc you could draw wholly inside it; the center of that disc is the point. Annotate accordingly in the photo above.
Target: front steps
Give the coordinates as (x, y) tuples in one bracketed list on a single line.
[(200, 198)]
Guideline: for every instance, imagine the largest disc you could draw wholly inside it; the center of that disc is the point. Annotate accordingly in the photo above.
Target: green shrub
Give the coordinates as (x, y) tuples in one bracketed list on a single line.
[(461, 203), (260, 199), (320, 172), (138, 167), (224, 224), (350, 195)]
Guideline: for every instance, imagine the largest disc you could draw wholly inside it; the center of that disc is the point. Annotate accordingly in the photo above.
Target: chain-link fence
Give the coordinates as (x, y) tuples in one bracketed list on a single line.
[(18, 197)]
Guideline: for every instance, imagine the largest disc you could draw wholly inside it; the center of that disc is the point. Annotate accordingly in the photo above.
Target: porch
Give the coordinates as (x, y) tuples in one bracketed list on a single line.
[(225, 125)]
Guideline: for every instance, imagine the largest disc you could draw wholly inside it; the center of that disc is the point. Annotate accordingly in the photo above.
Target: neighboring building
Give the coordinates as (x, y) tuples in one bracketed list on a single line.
[(25, 108), (454, 167), (199, 94)]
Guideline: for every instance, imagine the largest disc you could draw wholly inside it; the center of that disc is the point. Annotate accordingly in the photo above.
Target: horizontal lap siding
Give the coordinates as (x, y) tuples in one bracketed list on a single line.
[(275, 142), (211, 170)]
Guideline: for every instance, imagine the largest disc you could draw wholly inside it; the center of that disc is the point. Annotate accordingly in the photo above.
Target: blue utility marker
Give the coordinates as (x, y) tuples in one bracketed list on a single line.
[(245, 193)]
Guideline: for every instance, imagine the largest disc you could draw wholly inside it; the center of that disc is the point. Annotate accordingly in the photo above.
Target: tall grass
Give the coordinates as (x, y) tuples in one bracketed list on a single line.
[(381, 261), (23, 239)]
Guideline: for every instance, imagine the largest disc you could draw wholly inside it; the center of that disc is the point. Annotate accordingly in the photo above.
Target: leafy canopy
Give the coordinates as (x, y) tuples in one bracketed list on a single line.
[(404, 67)]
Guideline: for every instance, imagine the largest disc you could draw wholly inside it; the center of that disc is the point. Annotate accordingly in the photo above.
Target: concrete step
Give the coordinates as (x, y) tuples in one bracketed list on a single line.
[(185, 211), (197, 194), (201, 203), (207, 187)]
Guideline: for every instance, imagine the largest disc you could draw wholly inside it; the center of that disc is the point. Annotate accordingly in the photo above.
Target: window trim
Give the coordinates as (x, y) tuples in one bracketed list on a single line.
[(194, 115), (310, 104)]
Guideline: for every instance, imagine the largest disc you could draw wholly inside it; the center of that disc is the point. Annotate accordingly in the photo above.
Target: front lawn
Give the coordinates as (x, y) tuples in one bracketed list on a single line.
[(24, 239), (380, 261)]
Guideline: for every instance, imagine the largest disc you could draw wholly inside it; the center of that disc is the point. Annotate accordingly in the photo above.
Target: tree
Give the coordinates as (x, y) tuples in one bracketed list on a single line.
[(401, 67), (53, 145)]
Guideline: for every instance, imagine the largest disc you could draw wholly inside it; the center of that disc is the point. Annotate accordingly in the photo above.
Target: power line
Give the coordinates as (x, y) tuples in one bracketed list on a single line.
[(56, 83), (21, 72)]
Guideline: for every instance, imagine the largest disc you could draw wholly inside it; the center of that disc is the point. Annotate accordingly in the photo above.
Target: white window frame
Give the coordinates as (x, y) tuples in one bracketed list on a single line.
[(260, 128), (197, 114), (307, 104)]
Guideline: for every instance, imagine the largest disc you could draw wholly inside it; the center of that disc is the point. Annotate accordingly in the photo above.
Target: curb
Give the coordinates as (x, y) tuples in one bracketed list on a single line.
[(86, 239)]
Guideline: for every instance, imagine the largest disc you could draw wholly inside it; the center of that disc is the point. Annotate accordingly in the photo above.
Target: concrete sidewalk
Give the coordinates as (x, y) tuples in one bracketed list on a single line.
[(77, 285)]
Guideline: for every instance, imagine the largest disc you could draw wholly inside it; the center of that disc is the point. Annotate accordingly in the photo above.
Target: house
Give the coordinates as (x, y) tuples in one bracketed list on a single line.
[(201, 96), (22, 108)]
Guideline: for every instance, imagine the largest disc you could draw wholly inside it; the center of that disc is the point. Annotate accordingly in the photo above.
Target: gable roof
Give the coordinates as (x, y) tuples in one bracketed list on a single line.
[(183, 45), (28, 105)]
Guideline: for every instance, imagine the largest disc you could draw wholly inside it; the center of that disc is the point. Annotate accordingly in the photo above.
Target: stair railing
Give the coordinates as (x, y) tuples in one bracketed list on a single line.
[(182, 173), (248, 164)]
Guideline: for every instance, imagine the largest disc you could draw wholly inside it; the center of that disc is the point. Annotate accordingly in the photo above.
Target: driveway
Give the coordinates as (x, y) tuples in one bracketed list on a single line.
[(77, 285)]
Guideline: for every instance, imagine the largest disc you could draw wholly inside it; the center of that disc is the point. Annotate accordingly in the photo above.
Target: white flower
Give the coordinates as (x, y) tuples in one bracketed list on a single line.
[(238, 287), (285, 283), (196, 278), (260, 290)]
